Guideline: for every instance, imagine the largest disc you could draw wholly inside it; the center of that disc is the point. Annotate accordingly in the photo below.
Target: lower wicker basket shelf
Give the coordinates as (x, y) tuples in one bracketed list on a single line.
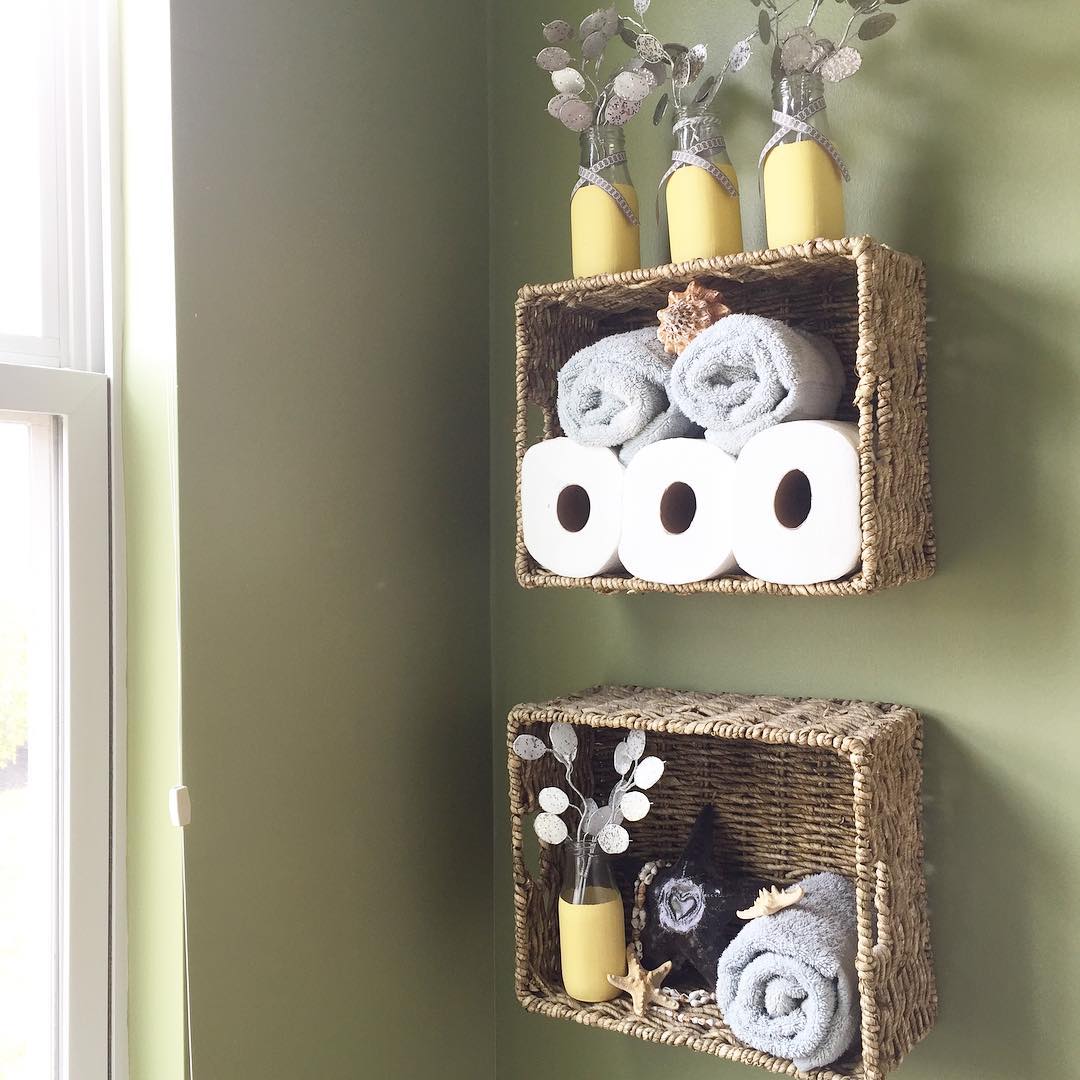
[(799, 786)]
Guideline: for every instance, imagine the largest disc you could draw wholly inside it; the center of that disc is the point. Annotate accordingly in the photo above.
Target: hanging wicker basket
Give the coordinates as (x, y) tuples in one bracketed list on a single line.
[(869, 300), (798, 787)]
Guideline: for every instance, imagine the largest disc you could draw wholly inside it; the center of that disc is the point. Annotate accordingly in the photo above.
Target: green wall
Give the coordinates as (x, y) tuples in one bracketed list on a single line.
[(956, 132), (331, 285), (155, 1022)]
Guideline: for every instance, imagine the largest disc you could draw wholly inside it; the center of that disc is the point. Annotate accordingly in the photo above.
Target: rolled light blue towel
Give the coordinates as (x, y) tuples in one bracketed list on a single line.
[(746, 373), (614, 393), (787, 984)]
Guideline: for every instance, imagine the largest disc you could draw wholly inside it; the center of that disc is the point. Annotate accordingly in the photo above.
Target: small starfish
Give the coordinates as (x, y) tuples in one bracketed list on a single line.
[(643, 985)]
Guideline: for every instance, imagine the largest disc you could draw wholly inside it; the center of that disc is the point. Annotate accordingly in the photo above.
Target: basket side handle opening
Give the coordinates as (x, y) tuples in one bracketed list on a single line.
[(883, 948)]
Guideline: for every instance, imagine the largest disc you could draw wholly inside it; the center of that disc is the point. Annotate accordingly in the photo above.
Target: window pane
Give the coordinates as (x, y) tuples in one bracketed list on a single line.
[(29, 821), (27, 179)]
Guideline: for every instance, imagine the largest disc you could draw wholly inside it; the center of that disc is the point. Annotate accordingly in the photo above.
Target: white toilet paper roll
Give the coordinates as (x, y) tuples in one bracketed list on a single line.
[(571, 507), (797, 516), (677, 512)]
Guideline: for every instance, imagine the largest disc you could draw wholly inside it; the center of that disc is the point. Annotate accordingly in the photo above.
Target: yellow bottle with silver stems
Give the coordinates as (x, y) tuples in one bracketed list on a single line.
[(803, 185), (704, 217), (592, 935), (605, 235)]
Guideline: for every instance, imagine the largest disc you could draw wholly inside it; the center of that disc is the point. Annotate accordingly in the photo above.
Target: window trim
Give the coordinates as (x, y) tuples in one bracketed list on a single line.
[(80, 180), (79, 400)]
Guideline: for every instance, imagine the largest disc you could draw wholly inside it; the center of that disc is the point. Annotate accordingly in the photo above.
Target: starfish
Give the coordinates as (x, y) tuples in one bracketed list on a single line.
[(642, 984)]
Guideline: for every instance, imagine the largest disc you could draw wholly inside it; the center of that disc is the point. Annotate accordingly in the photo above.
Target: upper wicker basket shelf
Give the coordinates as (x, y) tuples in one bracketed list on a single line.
[(868, 299)]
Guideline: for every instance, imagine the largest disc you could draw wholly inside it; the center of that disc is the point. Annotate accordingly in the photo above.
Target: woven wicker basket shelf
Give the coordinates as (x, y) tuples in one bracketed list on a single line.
[(869, 300), (798, 787)]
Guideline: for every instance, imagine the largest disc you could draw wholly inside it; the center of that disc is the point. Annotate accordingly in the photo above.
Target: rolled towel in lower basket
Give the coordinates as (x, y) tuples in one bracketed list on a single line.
[(615, 393), (787, 984), (746, 373)]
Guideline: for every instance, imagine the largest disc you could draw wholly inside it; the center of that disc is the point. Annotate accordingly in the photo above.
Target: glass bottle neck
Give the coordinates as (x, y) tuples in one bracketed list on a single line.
[(600, 142), (794, 93), (693, 125), (587, 873)]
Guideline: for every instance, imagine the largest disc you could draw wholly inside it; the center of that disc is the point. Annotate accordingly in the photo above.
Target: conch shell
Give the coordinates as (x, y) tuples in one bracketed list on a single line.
[(687, 313), (770, 901)]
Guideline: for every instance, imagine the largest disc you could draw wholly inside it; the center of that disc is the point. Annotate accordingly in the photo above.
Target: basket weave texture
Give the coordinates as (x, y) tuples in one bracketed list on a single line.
[(869, 300), (799, 786)]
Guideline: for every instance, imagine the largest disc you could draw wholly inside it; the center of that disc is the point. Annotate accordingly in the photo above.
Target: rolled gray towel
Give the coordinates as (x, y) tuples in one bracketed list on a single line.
[(787, 984), (746, 373), (614, 393)]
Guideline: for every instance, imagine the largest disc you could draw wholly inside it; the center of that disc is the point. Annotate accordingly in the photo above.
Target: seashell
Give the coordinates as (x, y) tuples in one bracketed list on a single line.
[(558, 31), (568, 80), (552, 58), (770, 901), (687, 313)]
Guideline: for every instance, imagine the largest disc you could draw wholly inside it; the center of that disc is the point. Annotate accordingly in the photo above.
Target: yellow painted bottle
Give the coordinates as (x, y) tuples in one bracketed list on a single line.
[(604, 238), (803, 187), (592, 934), (704, 217)]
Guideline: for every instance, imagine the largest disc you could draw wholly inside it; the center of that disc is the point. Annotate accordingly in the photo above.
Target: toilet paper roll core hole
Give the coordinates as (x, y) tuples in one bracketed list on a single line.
[(793, 499), (678, 505), (573, 508)]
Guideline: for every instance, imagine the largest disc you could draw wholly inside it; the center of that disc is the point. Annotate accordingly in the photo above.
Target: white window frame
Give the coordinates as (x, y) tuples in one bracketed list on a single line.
[(76, 177), (79, 401), (72, 373)]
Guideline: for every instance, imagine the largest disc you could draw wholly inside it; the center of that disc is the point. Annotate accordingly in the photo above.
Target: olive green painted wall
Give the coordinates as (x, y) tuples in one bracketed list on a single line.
[(331, 279), (155, 1021), (956, 134)]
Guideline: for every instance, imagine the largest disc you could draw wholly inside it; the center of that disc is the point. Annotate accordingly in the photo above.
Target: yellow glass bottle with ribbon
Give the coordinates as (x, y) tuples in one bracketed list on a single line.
[(700, 189), (605, 234), (803, 173)]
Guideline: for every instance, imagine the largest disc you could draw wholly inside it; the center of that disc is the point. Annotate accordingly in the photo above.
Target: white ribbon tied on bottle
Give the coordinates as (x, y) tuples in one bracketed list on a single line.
[(787, 122), (699, 154), (591, 175)]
